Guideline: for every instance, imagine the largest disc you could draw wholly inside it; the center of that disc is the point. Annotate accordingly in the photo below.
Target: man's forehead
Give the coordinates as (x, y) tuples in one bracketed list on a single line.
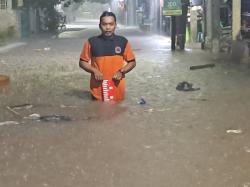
[(108, 19)]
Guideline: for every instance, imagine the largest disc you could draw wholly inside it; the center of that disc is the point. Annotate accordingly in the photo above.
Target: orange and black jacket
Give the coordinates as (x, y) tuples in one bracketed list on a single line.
[(108, 55)]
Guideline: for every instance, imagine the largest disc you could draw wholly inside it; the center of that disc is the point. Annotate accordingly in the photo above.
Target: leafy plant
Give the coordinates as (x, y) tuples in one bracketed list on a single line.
[(52, 16)]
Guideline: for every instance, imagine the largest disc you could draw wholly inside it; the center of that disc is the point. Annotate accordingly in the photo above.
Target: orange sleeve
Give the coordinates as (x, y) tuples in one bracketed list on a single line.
[(86, 55), (128, 53)]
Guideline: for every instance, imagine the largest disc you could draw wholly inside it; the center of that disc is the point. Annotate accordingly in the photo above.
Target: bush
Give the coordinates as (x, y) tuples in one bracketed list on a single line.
[(8, 33), (52, 21)]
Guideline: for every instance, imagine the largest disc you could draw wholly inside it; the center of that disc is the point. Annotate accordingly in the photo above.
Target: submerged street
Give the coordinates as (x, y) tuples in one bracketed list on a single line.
[(174, 138)]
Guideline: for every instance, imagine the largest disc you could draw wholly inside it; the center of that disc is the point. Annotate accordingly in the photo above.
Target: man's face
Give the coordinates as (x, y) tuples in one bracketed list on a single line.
[(108, 25)]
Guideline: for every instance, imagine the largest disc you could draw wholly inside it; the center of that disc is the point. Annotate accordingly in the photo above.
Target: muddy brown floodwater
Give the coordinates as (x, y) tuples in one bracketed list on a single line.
[(174, 138)]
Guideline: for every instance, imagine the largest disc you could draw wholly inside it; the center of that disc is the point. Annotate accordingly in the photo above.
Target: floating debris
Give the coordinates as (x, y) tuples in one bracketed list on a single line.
[(186, 86), (44, 49), (231, 131), (147, 146), (22, 106), (202, 66), (13, 111), (247, 149), (48, 118), (9, 123), (67, 106), (149, 110), (33, 117), (154, 76), (142, 101), (246, 184), (54, 118), (198, 99)]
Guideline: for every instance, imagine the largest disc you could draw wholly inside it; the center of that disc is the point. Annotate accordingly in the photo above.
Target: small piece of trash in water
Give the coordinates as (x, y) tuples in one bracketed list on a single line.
[(149, 110), (238, 131), (49, 118), (23, 106), (246, 184), (147, 146), (247, 149), (186, 86), (54, 118), (198, 99), (9, 123), (46, 49), (142, 101), (202, 66), (67, 106), (155, 76), (13, 111), (33, 116)]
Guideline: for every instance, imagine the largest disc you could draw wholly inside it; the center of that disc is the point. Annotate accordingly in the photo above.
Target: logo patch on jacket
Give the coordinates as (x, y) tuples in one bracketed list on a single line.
[(118, 50)]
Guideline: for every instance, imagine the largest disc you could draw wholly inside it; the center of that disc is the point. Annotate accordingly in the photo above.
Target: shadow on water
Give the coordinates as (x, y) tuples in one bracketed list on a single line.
[(106, 110), (95, 110)]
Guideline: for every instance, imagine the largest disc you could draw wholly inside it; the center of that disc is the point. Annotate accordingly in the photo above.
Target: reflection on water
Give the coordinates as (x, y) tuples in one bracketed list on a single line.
[(106, 110)]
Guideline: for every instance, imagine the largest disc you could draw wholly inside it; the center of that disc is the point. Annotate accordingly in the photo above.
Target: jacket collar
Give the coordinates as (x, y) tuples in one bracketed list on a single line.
[(107, 37)]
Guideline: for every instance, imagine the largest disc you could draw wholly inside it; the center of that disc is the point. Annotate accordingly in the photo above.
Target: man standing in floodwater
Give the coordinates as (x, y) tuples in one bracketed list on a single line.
[(111, 58)]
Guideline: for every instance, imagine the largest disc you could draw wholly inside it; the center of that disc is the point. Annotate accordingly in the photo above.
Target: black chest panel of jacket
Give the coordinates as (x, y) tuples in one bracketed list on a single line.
[(107, 46)]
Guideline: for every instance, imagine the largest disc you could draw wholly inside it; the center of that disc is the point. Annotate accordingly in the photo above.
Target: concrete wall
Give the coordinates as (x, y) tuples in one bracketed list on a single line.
[(8, 23)]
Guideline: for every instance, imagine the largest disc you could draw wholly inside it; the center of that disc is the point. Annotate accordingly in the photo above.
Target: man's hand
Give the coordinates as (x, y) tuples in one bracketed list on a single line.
[(87, 67), (118, 75), (98, 75)]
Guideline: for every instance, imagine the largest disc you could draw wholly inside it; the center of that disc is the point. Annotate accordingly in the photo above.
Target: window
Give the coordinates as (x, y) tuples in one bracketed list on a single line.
[(3, 4)]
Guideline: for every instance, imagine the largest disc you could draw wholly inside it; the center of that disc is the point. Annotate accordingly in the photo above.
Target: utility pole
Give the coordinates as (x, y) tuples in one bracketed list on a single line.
[(173, 32), (215, 25), (131, 10), (209, 28)]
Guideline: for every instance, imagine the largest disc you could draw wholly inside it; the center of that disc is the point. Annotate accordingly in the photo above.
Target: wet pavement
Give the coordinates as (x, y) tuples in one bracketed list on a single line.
[(174, 138)]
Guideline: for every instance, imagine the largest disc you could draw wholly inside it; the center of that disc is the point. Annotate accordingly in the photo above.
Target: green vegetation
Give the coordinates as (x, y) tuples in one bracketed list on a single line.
[(5, 34), (52, 16)]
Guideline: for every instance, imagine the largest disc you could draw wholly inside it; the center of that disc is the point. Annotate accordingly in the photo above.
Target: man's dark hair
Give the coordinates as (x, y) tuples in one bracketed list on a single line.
[(106, 13)]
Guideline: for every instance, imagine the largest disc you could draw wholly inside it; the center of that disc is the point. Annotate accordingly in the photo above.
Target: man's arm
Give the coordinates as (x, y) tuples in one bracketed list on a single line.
[(87, 67), (127, 68)]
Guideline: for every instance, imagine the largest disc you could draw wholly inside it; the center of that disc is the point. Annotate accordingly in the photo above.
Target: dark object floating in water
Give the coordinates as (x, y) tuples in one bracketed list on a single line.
[(54, 118), (186, 86), (202, 66), (142, 101)]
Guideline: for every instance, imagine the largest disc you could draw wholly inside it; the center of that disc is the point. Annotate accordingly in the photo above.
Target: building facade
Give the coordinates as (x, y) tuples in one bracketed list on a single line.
[(9, 21)]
